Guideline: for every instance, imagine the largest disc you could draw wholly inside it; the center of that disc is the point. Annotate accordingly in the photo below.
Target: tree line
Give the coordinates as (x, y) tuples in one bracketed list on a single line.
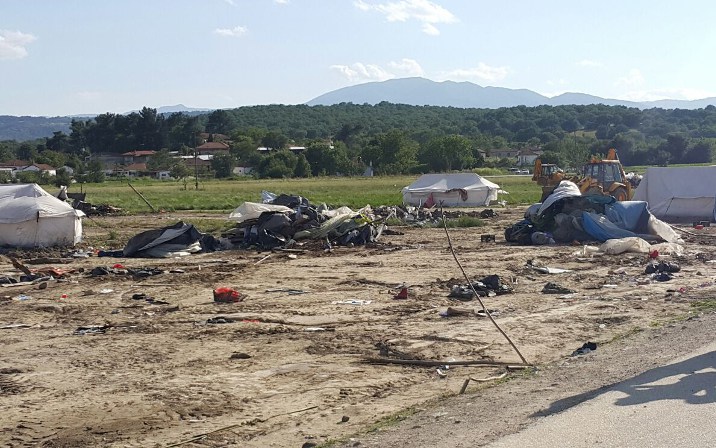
[(392, 138)]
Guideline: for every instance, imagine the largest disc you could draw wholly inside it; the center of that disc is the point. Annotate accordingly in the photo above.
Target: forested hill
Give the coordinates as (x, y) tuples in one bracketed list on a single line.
[(29, 128)]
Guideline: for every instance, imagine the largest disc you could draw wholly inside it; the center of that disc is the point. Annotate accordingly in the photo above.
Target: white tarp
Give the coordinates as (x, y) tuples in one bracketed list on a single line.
[(679, 194), (452, 189), (31, 217), (252, 210)]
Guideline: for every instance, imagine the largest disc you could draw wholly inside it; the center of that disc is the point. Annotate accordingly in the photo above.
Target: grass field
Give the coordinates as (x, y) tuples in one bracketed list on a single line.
[(224, 196)]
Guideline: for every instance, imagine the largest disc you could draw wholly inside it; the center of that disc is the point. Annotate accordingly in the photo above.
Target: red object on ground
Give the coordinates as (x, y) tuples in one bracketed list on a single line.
[(698, 226), (654, 254), (402, 295), (227, 295), (118, 266)]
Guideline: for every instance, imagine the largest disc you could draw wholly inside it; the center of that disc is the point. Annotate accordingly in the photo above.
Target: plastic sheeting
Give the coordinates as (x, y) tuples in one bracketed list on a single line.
[(252, 210), (178, 239), (565, 189)]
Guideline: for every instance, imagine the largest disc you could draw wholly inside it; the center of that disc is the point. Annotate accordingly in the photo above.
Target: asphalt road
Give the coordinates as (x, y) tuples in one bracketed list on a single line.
[(669, 406)]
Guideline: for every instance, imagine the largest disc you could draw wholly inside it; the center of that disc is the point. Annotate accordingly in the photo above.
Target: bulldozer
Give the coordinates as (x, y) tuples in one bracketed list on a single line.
[(600, 177)]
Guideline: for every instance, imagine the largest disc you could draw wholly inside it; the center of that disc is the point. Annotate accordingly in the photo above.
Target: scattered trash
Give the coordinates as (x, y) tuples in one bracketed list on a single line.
[(239, 355), (95, 329), (402, 295), (106, 290), (63, 296), (489, 286), (318, 329), (547, 269), (289, 291), (219, 320), (23, 297), (13, 326), (554, 288), (662, 266), (587, 347), (487, 238), (227, 295), (352, 302)]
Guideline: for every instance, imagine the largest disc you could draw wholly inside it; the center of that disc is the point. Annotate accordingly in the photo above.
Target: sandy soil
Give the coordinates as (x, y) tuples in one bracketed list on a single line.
[(286, 369)]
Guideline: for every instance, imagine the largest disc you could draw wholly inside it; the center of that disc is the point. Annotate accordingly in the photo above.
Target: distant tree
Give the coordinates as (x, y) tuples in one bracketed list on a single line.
[(303, 168), (278, 164), (62, 178), (59, 142), (180, 171), (223, 165), (274, 140), (453, 152), (53, 158), (160, 160), (95, 172), (700, 152), (220, 121)]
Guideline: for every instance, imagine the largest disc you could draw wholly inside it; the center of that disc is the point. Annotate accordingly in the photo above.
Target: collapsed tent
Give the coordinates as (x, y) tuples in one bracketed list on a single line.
[(567, 216), (680, 194), (287, 218), (175, 240), (31, 217), (451, 190)]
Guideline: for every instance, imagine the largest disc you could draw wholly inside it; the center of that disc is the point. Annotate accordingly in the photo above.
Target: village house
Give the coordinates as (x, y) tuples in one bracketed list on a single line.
[(527, 156), (212, 148)]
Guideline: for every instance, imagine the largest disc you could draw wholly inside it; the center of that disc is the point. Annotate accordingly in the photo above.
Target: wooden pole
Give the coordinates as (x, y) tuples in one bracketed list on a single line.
[(143, 198)]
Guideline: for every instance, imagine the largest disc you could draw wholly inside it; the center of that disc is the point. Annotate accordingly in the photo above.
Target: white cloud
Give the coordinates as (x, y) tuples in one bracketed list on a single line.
[(632, 79), (363, 72), (282, 2), (236, 31), (424, 11), (12, 44), (589, 63), (409, 67), (88, 95), (672, 94), (360, 72), (482, 72)]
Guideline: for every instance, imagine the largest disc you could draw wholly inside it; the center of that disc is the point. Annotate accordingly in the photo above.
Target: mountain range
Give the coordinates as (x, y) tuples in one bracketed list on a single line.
[(410, 91), (424, 92)]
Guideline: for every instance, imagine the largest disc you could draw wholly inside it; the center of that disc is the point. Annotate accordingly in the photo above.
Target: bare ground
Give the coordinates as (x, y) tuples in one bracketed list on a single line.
[(161, 375)]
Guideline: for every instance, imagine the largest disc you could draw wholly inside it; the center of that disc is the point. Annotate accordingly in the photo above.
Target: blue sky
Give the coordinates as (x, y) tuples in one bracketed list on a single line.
[(63, 57)]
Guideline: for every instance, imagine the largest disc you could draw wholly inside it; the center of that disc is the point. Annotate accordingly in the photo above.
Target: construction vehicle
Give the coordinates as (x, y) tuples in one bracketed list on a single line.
[(597, 177)]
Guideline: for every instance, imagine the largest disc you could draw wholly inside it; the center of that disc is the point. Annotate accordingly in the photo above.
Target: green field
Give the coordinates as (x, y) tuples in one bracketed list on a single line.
[(224, 196)]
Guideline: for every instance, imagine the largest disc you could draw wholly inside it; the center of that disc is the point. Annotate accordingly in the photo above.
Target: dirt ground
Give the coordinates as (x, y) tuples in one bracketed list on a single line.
[(285, 366)]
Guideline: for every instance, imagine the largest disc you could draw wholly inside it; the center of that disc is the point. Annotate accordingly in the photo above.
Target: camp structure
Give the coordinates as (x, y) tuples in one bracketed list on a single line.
[(679, 194), (450, 190), (31, 217)]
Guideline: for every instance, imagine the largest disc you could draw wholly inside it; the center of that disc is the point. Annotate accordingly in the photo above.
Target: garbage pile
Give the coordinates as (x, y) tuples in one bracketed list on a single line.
[(567, 217), (281, 221), (420, 216)]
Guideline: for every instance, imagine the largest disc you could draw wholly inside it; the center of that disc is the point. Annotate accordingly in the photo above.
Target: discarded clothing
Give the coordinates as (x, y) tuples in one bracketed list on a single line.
[(587, 347), (554, 288), (662, 266)]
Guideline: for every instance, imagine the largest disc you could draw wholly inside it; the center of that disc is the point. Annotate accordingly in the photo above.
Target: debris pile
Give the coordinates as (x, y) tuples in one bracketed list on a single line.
[(284, 220), (567, 217)]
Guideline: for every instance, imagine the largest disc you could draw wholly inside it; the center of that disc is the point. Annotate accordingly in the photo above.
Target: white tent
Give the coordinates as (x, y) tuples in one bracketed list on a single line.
[(679, 194), (31, 217), (452, 189)]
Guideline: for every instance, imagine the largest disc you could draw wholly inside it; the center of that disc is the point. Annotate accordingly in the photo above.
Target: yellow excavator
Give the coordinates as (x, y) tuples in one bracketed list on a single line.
[(597, 177)]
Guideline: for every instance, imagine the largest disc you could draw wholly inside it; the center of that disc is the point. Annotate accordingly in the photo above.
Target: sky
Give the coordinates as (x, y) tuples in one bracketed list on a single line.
[(67, 57)]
